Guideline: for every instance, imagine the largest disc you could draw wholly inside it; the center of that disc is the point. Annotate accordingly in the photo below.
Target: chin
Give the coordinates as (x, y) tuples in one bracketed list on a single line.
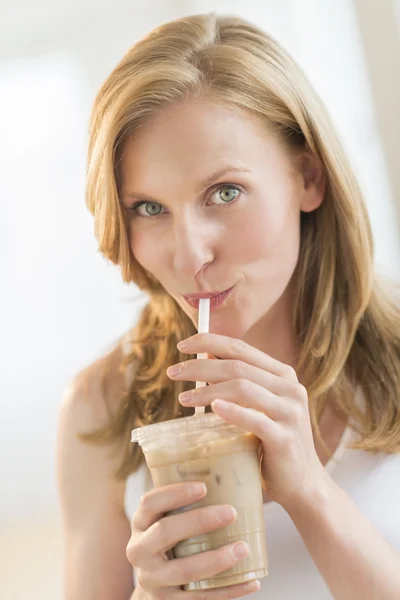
[(230, 326)]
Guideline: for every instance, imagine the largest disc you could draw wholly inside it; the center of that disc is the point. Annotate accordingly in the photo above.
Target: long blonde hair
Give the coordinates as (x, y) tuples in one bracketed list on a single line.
[(348, 323)]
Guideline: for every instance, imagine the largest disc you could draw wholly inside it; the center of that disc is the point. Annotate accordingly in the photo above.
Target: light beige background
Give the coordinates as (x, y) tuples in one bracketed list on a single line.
[(62, 305)]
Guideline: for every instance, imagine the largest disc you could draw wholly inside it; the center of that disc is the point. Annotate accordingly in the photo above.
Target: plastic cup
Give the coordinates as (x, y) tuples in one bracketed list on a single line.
[(206, 448)]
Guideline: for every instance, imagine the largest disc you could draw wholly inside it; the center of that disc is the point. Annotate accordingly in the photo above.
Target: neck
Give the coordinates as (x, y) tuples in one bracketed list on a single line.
[(274, 333)]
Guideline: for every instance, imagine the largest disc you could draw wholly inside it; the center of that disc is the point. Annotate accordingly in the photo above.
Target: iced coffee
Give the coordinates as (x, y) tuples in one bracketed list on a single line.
[(206, 448)]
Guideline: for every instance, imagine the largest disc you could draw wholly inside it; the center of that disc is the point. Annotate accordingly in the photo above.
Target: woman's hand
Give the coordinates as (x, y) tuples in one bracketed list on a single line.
[(154, 534), (246, 378)]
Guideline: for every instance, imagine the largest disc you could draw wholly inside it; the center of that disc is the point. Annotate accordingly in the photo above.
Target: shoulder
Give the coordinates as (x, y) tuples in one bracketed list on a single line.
[(97, 388), (87, 404), (94, 393)]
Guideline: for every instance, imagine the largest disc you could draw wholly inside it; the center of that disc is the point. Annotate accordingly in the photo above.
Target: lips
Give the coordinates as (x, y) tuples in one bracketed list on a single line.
[(215, 301)]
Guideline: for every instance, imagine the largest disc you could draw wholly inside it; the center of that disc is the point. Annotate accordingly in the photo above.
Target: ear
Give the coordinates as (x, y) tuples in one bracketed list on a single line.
[(313, 177)]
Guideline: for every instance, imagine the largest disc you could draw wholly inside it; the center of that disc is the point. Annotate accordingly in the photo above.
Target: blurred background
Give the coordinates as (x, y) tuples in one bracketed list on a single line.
[(62, 305)]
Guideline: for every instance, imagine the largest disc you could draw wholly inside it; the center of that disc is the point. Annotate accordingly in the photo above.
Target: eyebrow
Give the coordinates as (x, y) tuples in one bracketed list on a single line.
[(203, 184)]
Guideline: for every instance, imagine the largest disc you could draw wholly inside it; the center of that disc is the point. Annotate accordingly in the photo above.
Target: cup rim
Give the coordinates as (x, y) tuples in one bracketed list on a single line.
[(185, 425)]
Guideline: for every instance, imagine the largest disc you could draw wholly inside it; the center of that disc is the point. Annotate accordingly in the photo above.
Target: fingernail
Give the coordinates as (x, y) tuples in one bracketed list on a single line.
[(185, 397), (183, 345), (226, 513), (197, 489), (174, 370), (251, 586), (240, 550)]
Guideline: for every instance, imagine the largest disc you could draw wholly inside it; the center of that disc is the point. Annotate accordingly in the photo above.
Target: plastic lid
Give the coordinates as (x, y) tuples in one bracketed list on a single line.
[(183, 426)]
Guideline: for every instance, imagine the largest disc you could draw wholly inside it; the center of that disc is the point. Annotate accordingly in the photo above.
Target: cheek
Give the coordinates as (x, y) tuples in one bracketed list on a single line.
[(143, 249), (274, 234)]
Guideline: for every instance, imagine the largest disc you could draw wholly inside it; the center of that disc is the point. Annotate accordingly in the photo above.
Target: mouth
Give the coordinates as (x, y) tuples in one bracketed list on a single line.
[(215, 301)]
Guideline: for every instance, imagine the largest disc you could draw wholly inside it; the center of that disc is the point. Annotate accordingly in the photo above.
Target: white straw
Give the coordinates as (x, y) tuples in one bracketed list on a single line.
[(203, 327)]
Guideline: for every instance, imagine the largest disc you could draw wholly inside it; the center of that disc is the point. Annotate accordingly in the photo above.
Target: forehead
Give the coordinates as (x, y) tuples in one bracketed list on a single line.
[(192, 139)]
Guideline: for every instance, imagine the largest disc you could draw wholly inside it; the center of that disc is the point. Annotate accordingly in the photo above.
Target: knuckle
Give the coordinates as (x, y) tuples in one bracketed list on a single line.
[(243, 386), (186, 572), (145, 503), (301, 393), (290, 372), (133, 552), (238, 369), (296, 391), (134, 522), (179, 571), (236, 345), (160, 529)]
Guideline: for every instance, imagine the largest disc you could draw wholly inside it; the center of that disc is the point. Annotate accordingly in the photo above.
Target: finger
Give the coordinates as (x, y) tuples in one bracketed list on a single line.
[(225, 593), (168, 531), (204, 565), (250, 420), (243, 392), (214, 372), (227, 347), (160, 500)]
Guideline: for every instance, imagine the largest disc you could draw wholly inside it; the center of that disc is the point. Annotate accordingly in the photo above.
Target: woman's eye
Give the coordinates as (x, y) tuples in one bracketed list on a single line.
[(151, 209), (227, 193)]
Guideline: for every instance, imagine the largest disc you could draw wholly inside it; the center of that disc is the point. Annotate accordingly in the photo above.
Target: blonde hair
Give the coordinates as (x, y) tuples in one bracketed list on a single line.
[(348, 323)]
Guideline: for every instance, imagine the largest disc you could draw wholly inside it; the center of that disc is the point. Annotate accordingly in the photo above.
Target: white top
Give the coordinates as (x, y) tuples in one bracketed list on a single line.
[(371, 480)]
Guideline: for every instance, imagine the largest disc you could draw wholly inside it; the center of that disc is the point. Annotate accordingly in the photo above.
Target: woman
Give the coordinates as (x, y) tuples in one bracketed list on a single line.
[(212, 167)]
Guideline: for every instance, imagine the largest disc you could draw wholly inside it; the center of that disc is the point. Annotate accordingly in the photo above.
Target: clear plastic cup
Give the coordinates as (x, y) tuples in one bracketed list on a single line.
[(225, 457)]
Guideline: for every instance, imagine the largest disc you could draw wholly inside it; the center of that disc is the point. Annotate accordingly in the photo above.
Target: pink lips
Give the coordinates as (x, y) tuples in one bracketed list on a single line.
[(215, 301)]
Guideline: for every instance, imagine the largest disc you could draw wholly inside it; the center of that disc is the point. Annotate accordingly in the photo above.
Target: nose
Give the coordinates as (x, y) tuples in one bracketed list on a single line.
[(193, 244)]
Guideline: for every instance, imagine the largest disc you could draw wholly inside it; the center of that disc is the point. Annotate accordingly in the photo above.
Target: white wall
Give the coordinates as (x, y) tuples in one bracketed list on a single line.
[(61, 304)]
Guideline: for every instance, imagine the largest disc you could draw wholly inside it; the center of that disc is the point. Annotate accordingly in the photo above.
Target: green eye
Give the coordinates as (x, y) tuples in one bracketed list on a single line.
[(151, 209), (155, 209), (228, 193)]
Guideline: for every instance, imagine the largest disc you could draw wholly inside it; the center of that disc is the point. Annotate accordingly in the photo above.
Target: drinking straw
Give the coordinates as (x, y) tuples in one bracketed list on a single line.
[(203, 327)]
